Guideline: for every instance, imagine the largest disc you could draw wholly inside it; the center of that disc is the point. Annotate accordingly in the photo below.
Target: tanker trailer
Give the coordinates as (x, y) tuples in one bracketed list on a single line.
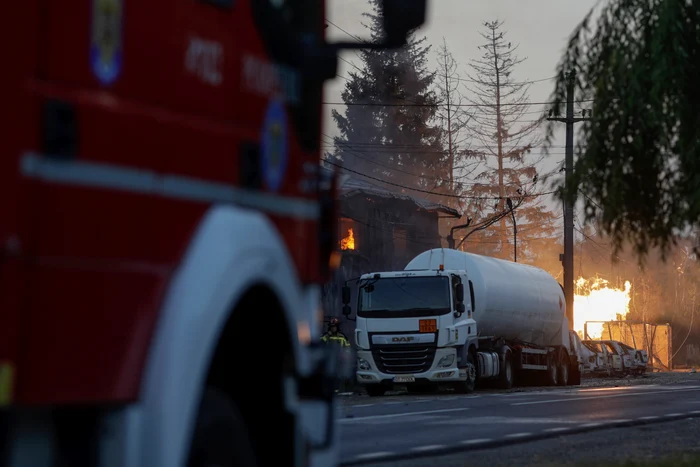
[(460, 319)]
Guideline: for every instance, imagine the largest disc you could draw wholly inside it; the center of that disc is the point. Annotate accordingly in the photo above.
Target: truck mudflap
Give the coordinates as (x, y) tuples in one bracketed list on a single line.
[(319, 384)]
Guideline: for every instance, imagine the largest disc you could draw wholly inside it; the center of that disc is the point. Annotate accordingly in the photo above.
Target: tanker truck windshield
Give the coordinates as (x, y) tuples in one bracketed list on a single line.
[(403, 297)]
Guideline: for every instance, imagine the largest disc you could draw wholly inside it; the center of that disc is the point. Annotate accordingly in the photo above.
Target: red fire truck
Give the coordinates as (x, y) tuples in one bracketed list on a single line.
[(164, 231)]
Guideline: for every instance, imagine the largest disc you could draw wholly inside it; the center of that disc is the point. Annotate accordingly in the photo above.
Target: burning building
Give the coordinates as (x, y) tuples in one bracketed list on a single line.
[(380, 230)]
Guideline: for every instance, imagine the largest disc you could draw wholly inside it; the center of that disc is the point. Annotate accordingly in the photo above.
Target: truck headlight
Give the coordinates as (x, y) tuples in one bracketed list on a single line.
[(446, 361), (363, 364)]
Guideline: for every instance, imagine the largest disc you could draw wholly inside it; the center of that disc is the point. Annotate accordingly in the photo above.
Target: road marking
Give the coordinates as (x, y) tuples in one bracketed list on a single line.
[(431, 447), (651, 417), (393, 403), (557, 430), (362, 405), (590, 425), (518, 435), (471, 442), (373, 455), (621, 420), (550, 401), (694, 411), (396, 415), (673, 414)]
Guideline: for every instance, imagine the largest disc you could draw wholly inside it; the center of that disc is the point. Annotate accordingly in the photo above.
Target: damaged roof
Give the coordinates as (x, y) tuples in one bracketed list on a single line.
[(351, 186)]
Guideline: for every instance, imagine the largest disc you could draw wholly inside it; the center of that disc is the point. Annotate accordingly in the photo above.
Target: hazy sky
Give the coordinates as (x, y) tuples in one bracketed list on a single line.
[(541, 27)]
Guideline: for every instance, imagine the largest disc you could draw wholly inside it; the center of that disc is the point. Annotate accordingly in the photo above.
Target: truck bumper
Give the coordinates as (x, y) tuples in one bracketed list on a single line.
[(368, 373)]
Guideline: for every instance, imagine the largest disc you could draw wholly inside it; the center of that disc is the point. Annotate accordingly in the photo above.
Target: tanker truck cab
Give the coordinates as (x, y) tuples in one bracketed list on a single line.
[(452, 318), (413, 329)]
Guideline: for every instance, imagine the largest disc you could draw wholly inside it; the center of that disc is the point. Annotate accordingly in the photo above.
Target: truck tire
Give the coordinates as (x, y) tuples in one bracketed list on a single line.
[(375, 390), (574, 374), (469, 385), (563, 368), (507, 377), (220, 436), (552, 370)]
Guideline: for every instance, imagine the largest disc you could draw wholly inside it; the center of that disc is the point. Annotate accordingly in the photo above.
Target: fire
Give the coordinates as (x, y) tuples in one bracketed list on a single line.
[(595, 301), (348, 243)]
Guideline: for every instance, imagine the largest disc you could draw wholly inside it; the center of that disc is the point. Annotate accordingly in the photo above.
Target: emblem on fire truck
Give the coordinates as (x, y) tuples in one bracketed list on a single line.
[(274, 146), (106, 42)]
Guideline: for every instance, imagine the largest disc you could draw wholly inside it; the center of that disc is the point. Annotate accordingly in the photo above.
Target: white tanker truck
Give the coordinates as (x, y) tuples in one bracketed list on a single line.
[(460, 319)]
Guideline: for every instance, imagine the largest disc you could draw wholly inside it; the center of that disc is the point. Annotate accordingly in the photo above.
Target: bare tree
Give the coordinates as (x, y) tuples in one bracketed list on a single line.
[(506, 132), (455, 117)]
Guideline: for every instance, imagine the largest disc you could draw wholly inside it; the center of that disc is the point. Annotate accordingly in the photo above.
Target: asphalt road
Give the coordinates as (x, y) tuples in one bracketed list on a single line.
[(407, 427)]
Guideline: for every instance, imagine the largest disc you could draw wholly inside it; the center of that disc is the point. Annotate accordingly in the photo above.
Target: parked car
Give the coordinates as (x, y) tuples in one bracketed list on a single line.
[(641, 357)]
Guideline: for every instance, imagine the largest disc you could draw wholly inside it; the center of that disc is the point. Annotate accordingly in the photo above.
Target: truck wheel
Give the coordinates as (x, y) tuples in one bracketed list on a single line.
[(220, 436), (506, 378), (375, 390), (563, 368), (575, 376), (469, 385), (552, 371)]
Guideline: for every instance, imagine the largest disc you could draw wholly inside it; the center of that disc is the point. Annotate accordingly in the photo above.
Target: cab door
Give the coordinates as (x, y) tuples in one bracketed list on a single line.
[(18, 26)]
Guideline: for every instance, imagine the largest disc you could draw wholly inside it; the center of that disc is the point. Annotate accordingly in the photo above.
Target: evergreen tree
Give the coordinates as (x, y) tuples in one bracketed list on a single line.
[(505, 134), (389, 129)]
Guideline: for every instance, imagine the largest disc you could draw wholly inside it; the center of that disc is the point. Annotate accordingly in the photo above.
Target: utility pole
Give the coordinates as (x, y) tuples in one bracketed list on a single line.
[(568, 257), (515, 231)]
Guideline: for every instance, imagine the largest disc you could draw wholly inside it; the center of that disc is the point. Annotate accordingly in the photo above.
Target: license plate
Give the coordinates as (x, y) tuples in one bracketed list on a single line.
[(404, 379), (427, 325)]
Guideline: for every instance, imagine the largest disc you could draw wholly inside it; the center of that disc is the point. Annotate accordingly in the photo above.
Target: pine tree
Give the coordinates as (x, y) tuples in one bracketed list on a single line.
[(389, 129), (505, 134)]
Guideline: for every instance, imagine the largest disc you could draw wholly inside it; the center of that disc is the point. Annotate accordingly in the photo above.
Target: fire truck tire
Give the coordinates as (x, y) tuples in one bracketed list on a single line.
[(220, 436)]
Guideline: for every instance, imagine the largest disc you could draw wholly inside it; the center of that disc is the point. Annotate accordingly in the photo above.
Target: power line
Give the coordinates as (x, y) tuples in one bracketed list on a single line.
[(356, 153), (419, 190), (378, 104)]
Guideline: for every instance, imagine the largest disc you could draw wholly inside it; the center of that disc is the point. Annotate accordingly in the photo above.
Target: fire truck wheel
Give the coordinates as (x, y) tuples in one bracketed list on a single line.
[(220, 437)]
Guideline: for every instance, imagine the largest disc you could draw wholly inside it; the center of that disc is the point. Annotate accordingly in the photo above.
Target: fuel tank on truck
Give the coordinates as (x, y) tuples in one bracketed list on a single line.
[(511, 300)]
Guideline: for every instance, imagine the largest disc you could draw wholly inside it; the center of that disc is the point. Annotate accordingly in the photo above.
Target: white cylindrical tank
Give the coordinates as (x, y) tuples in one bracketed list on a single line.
[(512, 300)]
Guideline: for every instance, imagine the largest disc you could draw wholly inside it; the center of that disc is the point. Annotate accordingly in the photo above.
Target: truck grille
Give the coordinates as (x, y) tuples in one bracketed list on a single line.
[(401, 359)]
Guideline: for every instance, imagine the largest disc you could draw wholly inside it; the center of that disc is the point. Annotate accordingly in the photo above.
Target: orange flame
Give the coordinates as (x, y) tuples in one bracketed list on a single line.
[(348, 243)]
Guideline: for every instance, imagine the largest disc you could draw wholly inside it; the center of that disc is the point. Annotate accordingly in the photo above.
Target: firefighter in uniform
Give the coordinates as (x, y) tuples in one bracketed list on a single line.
[(334, 336)]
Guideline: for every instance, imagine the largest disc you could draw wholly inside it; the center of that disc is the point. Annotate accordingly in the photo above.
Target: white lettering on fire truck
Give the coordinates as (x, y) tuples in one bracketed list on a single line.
[(204, 59), (270, 79)]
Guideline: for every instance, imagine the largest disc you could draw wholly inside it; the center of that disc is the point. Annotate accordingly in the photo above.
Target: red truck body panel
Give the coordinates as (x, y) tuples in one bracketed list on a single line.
[(84, 268)]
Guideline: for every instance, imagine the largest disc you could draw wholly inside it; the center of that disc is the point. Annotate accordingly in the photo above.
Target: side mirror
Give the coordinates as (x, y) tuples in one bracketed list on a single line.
[(346, 310), (460, 308), (400, 18), (346, 295), (459, 293)]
